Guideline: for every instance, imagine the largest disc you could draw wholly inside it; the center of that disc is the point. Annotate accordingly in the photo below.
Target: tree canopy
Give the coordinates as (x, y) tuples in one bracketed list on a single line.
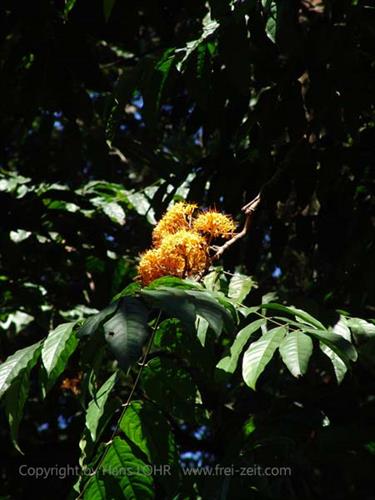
[(113, 112)]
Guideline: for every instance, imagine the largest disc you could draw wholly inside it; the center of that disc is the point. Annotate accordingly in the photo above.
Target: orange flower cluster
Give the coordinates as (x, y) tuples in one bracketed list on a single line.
[(72, 384), (178, 217), (214, 224), (181, 242)]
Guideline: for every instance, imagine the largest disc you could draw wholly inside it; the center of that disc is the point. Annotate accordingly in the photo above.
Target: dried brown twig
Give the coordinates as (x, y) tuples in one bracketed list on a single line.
[(249, 210)]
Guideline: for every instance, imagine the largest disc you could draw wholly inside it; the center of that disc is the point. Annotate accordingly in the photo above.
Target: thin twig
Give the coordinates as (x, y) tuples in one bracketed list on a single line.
[(249, 210), (277, 322), (252, 205), (127, 404)]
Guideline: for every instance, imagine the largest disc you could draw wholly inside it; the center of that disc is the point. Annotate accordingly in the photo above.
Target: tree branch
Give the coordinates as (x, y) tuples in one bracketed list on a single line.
[(249, 210)]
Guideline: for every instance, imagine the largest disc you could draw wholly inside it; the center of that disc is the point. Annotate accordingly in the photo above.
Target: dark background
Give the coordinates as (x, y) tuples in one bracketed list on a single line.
[(279, 99)]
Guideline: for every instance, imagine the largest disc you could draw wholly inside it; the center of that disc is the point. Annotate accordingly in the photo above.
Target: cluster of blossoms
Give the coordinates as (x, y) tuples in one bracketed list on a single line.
[(181, 242)]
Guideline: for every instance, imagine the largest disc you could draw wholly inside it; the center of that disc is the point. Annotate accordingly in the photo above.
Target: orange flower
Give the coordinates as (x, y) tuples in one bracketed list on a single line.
[(176, 218), (190, 246), (181, 243), (149, 266), (181, 254), (72, 384), (214, 224)]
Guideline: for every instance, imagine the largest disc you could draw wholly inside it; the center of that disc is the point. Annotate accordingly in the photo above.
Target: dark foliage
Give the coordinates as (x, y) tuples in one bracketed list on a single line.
[(112, 109)]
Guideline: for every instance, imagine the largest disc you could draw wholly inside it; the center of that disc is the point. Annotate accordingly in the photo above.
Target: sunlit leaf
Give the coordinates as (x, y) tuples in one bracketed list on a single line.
[(96, 407), (259, 354), (298, 313), (14, 364), (229, 363), (240, 286), (361, 327), (57, 348), (296, 349)]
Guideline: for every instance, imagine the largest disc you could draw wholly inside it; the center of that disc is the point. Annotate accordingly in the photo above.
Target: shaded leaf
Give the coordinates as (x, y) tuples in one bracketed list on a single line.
[(93, 323), (170, 386), (187, 304), (174, 302), (344, 349), (133, 477), (69, 4), (153, 84), (15, 399), (127, 330), (107, 8), (147, 429)]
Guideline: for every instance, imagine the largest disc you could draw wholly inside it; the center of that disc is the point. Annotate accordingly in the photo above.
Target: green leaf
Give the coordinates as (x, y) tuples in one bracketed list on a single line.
[(259, 354), (146, 428), (207, 306), (57, 348), (16, 385), (17, 320), (239, 287), (340, 328), (87, 445), (170, 386), (124, 89), (339, 365), (115, 212), (127, 331), (201, 326), (229, 363), (296, 349), (96, 407), (153, 83), (15, 399), (130, 290), (209, 26), (148, 441), (69, 4), (270, 13), (107, 8), (361, 327), (344, 349), (93, 323), (13, 365), (173, 282), (19, 235), (216, 280), (95, 489), (133, 475), (298, 313), (173, 301), (187, 304), (142, 202)]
